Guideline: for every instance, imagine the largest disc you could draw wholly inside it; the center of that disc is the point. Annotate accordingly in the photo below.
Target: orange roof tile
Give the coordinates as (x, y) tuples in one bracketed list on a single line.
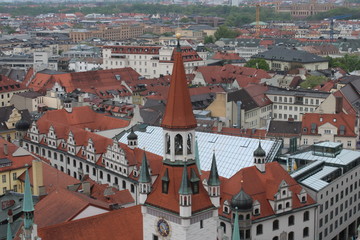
[(170, 201), (261, 187), (337, 120), (17, 161), (111, 225)]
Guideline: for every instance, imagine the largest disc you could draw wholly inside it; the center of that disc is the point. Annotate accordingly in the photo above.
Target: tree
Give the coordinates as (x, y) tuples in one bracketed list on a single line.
[(313, 81), (209, 39), (258, 63), (349, 62), (225, 32)]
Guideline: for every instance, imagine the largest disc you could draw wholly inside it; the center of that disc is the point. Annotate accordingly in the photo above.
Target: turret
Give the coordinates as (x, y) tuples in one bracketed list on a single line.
[(185, 193), (68, 105), (21, 128), (259, 158), (132, 139), (214, 183), (242, 205), (144, 180)]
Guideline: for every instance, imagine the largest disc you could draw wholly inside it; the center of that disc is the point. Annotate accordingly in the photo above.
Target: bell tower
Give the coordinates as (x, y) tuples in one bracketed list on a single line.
[(178, 205)]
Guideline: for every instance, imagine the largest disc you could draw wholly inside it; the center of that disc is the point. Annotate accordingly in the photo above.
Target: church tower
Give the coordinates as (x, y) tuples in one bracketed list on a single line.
[(179, 206)]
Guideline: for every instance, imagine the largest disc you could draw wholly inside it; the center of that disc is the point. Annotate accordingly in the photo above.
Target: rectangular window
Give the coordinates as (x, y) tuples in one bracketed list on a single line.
[(4, 178), (349, 143), (201, 224), (14, 176)]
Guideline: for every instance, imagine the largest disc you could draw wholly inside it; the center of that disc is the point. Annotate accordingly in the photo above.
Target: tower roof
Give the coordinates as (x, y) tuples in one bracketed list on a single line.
[(185, 186), (132, 135), (241, 201), (28, 205), (144, 171), (259, 152), (214, 175), (178, 112)]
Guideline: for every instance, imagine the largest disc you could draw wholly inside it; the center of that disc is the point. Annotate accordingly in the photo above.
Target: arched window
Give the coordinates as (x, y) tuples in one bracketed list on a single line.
[(291, 236), (247, 216), (259, 229), (167, 139), (75, 175), (189, 143), (276, 225), (279, 206), (256, 211), (306, 232), (223, 225), (287, 204), (178, 145), (241, 217), (275, 238), (303, 199), (291, 220), (306, 216)]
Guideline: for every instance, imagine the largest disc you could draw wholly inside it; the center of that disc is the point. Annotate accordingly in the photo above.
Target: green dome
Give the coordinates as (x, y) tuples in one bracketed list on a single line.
[(259, 152), (241, 201)]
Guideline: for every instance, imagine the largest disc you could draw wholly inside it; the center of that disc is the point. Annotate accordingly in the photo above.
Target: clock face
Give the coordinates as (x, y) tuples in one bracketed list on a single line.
[(163, 228)]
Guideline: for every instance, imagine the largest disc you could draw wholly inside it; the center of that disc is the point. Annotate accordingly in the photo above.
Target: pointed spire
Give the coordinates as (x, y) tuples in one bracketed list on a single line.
[(185, 186), (197, 157), (144, 171), (178, 112), (165, 178), (236, 232), (8, 233), (28, 205), (259, 152), (214, 176), (193, 176)]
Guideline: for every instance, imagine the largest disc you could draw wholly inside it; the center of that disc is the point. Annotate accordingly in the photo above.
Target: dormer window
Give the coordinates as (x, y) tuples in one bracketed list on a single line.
[(165, 182)]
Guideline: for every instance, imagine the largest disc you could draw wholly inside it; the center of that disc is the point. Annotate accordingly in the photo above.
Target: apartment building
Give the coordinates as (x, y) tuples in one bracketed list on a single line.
[(330, 174), (149, 61), (290, 103)]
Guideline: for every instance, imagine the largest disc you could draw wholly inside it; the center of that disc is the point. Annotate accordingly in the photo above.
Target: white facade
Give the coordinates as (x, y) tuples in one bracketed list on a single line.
[(148, 65)]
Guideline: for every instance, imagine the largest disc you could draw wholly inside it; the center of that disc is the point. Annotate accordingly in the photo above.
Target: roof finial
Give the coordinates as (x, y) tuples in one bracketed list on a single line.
[(178, 36)]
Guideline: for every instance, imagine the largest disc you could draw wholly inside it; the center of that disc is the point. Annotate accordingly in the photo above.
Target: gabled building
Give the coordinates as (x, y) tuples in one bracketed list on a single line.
[(8, 88), (337, 127)]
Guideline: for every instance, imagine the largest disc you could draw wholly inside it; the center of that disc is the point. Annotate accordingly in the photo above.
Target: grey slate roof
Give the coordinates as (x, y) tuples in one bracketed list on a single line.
[(296, 92), (289, 55), (284, 127)]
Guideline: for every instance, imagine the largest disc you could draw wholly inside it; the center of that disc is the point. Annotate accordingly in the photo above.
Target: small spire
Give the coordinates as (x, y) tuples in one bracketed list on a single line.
[(236, 232), (214, 176), (8, 233), (197, 157), (28, 205), (193, 176), (144, 171), (165, 178), (185, 186)]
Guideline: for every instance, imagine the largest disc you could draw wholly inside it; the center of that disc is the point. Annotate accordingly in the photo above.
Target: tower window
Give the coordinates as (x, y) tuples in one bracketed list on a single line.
[(189, 144), (201, 224), (165, 187), (178, 145)]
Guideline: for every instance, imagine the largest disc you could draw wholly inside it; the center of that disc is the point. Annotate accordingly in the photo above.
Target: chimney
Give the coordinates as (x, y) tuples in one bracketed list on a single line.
[(6, 150), (86, 188), (38, 178), (338, 104)]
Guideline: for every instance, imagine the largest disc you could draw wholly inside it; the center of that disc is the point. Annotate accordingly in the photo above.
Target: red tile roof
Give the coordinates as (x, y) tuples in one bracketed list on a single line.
[(88, 81), (337, 120), (170, 201), (17, 161), (63, 205), (226, 56), (261, 187), (178, 112), (229, 73), (120, 224), (9, 85)]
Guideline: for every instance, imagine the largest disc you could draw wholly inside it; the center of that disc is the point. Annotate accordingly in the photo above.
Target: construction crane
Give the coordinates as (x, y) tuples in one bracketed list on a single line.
[(332, 24), (257, 20)]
